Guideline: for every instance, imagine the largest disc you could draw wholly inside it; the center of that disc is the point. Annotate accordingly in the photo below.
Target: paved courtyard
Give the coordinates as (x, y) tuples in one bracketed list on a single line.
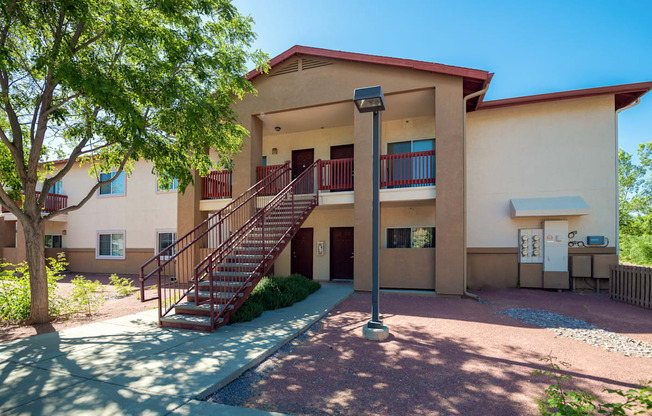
[(131, 366), (444, 356)]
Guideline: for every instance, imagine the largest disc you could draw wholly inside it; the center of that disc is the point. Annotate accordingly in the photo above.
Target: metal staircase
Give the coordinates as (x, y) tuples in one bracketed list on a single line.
[(206, 275)]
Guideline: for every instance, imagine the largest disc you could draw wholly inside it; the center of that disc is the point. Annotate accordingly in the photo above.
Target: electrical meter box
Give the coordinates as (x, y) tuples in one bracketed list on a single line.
[(530, 245), (595, 240), (555, 246)]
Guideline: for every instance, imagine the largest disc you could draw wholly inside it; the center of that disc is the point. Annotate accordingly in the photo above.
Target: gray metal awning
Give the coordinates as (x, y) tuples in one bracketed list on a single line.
[(547, 207)]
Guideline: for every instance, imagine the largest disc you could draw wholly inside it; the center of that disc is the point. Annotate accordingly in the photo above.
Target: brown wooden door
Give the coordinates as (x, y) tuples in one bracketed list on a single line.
[(342, 152), (301, 159), (342, 253), (301, 251)]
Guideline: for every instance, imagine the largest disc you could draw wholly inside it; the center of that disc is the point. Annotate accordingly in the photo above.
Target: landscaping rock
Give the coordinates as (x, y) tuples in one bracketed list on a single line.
[(580, 330)]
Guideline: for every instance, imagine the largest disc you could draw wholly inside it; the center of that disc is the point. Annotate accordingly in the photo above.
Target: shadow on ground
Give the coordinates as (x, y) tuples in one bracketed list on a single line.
[(444, 356)]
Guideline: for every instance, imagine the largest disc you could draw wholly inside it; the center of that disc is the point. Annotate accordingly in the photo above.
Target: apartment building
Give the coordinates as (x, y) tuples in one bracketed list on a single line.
[(473, 193)]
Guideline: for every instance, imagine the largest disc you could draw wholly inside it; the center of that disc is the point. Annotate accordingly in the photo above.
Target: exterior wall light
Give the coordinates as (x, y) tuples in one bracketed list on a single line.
[(371, 99)]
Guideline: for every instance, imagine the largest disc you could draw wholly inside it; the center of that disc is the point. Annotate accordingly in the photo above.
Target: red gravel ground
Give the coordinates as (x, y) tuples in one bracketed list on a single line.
[(448, 357), (113, 308)]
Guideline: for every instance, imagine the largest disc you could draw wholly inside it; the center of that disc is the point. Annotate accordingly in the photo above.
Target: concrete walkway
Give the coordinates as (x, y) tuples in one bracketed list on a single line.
[(130, 366)]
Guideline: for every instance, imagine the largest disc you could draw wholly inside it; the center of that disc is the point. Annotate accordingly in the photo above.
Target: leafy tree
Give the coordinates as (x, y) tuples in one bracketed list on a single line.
[(108, 82), (635, 210)]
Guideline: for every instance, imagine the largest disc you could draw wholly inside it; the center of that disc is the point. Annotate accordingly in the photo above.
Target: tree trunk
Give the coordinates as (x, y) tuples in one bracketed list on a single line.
[(38, 280)]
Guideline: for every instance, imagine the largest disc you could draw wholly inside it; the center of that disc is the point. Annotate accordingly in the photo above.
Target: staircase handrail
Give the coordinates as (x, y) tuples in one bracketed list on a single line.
[(202, 269), (257, 188), (275, 200)]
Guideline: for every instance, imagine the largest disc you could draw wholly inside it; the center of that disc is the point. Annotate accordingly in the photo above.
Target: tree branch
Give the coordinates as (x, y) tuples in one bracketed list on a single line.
[(76, 152), (11, 205), (92, 191), (59, 105), (89, 41)]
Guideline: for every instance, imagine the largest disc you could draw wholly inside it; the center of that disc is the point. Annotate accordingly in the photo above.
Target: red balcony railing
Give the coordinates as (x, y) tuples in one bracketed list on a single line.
[(216, 185), (407, 169), (53, 202), (336, 175), (275, 187)]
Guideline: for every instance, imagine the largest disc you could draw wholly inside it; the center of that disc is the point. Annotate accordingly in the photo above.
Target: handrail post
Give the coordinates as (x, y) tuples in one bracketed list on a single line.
[(159, 289), (262, 220), (210, 288)]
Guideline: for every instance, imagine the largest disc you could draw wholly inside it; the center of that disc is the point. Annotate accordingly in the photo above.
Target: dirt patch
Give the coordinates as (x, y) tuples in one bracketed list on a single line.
[(113, 308), (444, 356)]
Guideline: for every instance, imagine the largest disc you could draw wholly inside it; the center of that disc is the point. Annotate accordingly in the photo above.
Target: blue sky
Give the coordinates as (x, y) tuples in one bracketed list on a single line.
[(533, 47)]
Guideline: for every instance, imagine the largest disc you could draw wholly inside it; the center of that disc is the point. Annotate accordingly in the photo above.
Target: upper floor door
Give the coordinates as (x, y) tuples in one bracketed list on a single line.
[(301, 159)]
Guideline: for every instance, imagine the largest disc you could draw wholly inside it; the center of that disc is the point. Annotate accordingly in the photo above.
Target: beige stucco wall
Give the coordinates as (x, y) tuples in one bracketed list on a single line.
[(405, 215), (560, 148), (140, 212), (320, 220), (406, 129), (319, 139)]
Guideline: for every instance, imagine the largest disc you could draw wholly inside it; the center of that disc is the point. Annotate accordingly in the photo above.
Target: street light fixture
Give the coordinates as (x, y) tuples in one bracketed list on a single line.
[(371, 99)]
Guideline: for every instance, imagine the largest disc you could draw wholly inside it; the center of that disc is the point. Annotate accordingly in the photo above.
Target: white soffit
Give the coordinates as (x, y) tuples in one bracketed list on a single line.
[(547, 207)]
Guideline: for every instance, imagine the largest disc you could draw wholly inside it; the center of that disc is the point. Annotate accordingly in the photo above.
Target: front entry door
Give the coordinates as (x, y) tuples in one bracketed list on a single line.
[(301, 159), (342, 253), (301, 251), (343, 152)]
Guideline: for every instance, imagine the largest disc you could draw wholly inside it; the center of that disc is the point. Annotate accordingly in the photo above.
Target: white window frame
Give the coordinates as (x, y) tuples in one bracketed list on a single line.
[(97, 244), (159, 190), (158, 232), (411, 228), (112, 195)]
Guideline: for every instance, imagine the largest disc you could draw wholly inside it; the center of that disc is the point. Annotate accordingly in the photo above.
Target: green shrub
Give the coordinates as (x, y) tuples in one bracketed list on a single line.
[(122, 285), (15, 295), (87, 296), (636, 249), (273, 293), (558, 401)]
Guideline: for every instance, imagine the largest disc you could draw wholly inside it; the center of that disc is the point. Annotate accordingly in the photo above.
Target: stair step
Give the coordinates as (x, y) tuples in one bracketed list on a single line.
[(236, 265), (202, 323), (189, 308), (243, 257), (231, 274), (220, 287), (205, 294), (218, 284)]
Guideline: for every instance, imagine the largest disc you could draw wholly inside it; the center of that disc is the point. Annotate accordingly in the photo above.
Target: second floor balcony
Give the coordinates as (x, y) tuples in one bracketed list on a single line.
[(53, 202), (397, 171)]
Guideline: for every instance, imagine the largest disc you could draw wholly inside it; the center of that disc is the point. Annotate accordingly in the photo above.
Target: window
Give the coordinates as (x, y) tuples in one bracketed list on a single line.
[(415, 237), (165, 239), (110, 245), (117, 187), (173, 186), (408, 168), (57, 188), (53, 241), (264, 162)]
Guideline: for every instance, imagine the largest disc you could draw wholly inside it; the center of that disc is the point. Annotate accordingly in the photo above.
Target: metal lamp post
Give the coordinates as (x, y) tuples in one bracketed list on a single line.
[(371, 99)]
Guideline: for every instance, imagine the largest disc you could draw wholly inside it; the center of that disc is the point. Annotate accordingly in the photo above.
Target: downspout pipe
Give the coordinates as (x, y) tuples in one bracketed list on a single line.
[(466, 99), (634, 104)]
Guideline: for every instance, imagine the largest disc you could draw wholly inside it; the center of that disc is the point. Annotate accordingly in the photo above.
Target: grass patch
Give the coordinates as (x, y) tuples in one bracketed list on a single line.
[(274, 293)]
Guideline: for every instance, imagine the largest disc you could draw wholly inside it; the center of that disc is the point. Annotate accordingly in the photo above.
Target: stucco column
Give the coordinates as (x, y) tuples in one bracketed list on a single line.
[(244, 166), (449, 173), (362, 136)]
